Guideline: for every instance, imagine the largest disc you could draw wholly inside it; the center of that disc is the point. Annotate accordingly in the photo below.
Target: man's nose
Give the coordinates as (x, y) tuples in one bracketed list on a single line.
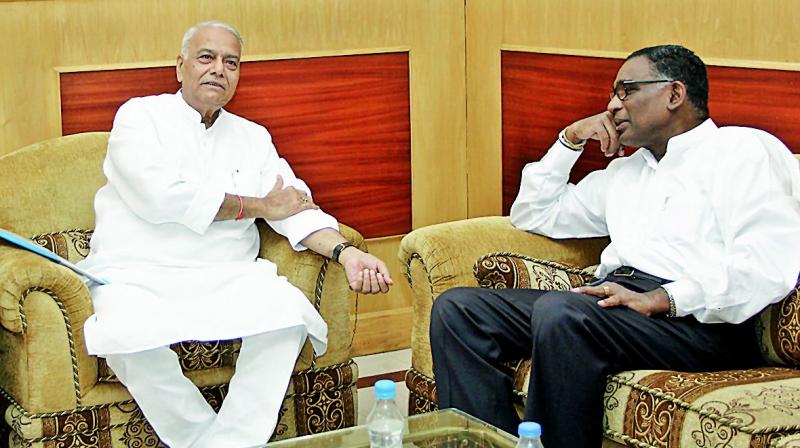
[(218, 66), (614, 104)]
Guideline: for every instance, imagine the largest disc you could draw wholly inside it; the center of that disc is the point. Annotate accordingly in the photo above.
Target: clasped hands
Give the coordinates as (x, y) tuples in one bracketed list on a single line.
[(613, 294)]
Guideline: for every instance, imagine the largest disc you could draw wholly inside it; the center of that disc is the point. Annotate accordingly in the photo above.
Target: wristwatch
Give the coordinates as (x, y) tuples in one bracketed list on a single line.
[(339, 248)]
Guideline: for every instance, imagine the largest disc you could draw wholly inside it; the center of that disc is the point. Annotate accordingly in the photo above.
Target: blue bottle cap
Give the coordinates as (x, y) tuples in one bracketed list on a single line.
[(529, 429), (385, 389)]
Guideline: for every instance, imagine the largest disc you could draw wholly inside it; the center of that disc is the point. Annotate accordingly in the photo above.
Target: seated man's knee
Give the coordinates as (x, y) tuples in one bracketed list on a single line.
[(451, 304), (452, 300), (558, 308)]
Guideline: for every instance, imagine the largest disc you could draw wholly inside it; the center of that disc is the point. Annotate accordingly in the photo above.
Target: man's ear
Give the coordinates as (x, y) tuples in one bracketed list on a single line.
[(178, 67), (678, 95)]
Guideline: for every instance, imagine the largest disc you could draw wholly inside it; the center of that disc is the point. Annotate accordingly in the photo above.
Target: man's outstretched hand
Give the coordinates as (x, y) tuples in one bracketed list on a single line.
[(366, 273)]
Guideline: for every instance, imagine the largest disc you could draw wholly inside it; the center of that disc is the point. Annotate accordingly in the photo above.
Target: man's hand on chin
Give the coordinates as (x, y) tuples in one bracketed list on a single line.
[(599, 127)]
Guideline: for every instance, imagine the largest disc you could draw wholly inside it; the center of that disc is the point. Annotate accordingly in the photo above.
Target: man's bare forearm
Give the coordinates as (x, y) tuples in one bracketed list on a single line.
[(229, 209)]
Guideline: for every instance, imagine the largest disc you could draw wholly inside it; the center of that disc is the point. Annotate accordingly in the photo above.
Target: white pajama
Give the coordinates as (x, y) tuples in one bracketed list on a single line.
[(180, 415)]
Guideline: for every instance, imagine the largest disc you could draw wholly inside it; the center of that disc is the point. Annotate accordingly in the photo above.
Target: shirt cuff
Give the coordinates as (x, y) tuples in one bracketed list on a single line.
[(687, 294), (297, 227), (561, 158), (204, 206)]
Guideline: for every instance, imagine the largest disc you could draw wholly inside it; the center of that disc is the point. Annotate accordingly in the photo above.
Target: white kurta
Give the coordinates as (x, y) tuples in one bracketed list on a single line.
[(174, 273)]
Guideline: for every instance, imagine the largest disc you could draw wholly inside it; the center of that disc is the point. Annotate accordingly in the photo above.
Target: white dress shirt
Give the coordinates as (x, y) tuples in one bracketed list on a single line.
[(719, 215), (176, 274)]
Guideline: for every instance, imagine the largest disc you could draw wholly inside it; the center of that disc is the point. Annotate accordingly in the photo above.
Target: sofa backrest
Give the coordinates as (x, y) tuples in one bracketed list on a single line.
[(50, 186)]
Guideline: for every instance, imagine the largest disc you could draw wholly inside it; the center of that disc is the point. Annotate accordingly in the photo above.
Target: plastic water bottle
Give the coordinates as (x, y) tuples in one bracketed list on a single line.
[(385, 422), (529, 435)]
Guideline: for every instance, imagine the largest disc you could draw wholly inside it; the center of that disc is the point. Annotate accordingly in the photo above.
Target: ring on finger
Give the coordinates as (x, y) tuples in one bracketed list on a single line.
[(606, 290)]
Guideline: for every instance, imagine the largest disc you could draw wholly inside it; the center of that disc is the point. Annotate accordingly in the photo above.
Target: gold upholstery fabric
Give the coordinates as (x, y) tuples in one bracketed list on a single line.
[(744, 408), (54, 393)]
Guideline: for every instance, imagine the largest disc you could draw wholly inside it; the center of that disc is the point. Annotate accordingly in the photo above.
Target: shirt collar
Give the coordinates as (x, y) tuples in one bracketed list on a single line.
[(692, 137), (678, 144), (191, 113)]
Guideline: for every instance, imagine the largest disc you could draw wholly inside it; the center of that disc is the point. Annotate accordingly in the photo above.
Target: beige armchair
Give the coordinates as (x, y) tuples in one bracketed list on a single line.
[(745, 408), (54, 393)]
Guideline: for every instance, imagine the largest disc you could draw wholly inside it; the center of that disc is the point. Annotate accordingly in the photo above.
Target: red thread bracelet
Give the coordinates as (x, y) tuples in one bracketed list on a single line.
[(241, 209)]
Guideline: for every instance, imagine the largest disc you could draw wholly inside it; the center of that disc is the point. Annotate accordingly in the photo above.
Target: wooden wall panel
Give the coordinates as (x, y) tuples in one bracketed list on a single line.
[(89, 100), (542, 93), (342, 123)]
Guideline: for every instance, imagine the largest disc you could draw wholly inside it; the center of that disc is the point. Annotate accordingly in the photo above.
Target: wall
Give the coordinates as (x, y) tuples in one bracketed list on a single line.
[(39, 39)]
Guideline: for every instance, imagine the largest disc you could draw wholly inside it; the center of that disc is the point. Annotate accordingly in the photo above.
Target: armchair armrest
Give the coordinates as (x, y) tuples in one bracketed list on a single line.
[(43, 306), (441, 256), (324, 283)]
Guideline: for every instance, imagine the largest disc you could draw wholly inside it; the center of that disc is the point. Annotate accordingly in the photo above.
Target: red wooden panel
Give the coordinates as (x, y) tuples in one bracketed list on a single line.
[(542, 93), (342, 122)]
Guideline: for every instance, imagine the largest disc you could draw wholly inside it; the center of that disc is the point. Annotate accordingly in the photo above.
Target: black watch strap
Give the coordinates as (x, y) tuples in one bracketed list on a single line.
[(339, 248)]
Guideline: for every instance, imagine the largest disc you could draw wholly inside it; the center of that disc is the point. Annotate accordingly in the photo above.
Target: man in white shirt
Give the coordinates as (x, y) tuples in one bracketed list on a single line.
[(705, 232), (176, 238)]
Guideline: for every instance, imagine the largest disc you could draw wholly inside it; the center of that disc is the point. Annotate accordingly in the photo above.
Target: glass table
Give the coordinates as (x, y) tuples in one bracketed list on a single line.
[(448, 428)]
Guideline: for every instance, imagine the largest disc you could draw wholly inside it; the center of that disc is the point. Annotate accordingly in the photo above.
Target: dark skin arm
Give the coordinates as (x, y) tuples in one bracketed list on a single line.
[(614, 294)]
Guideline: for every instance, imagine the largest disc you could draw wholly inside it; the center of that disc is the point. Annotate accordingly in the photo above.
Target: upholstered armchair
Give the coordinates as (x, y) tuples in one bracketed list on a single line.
[(53, 392), (744, 408)]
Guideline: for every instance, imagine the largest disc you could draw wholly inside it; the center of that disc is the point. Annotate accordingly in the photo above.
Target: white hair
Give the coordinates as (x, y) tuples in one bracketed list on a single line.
[(187, 36)]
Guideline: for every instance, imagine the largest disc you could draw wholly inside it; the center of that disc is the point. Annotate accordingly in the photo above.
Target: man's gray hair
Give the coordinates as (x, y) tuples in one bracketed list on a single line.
[(187, 36)]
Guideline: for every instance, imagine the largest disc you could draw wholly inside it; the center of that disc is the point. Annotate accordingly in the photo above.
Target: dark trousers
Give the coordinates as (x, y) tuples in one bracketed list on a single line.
[(574, 344)]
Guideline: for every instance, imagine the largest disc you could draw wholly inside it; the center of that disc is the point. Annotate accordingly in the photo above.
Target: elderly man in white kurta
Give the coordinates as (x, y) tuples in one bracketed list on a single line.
[(175, 237)]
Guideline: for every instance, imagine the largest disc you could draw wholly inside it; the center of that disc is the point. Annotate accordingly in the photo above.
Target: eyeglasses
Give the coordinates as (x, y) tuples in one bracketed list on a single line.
[(621, 89)]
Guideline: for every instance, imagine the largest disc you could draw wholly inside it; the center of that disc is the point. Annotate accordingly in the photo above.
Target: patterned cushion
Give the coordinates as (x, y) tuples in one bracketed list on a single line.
[(778, 331), (510, 270), (193, 355), (737, 408), (72, 245)]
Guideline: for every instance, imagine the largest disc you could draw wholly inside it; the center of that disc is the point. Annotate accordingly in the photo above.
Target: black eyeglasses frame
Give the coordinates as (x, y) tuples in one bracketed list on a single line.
[(615, 90)]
